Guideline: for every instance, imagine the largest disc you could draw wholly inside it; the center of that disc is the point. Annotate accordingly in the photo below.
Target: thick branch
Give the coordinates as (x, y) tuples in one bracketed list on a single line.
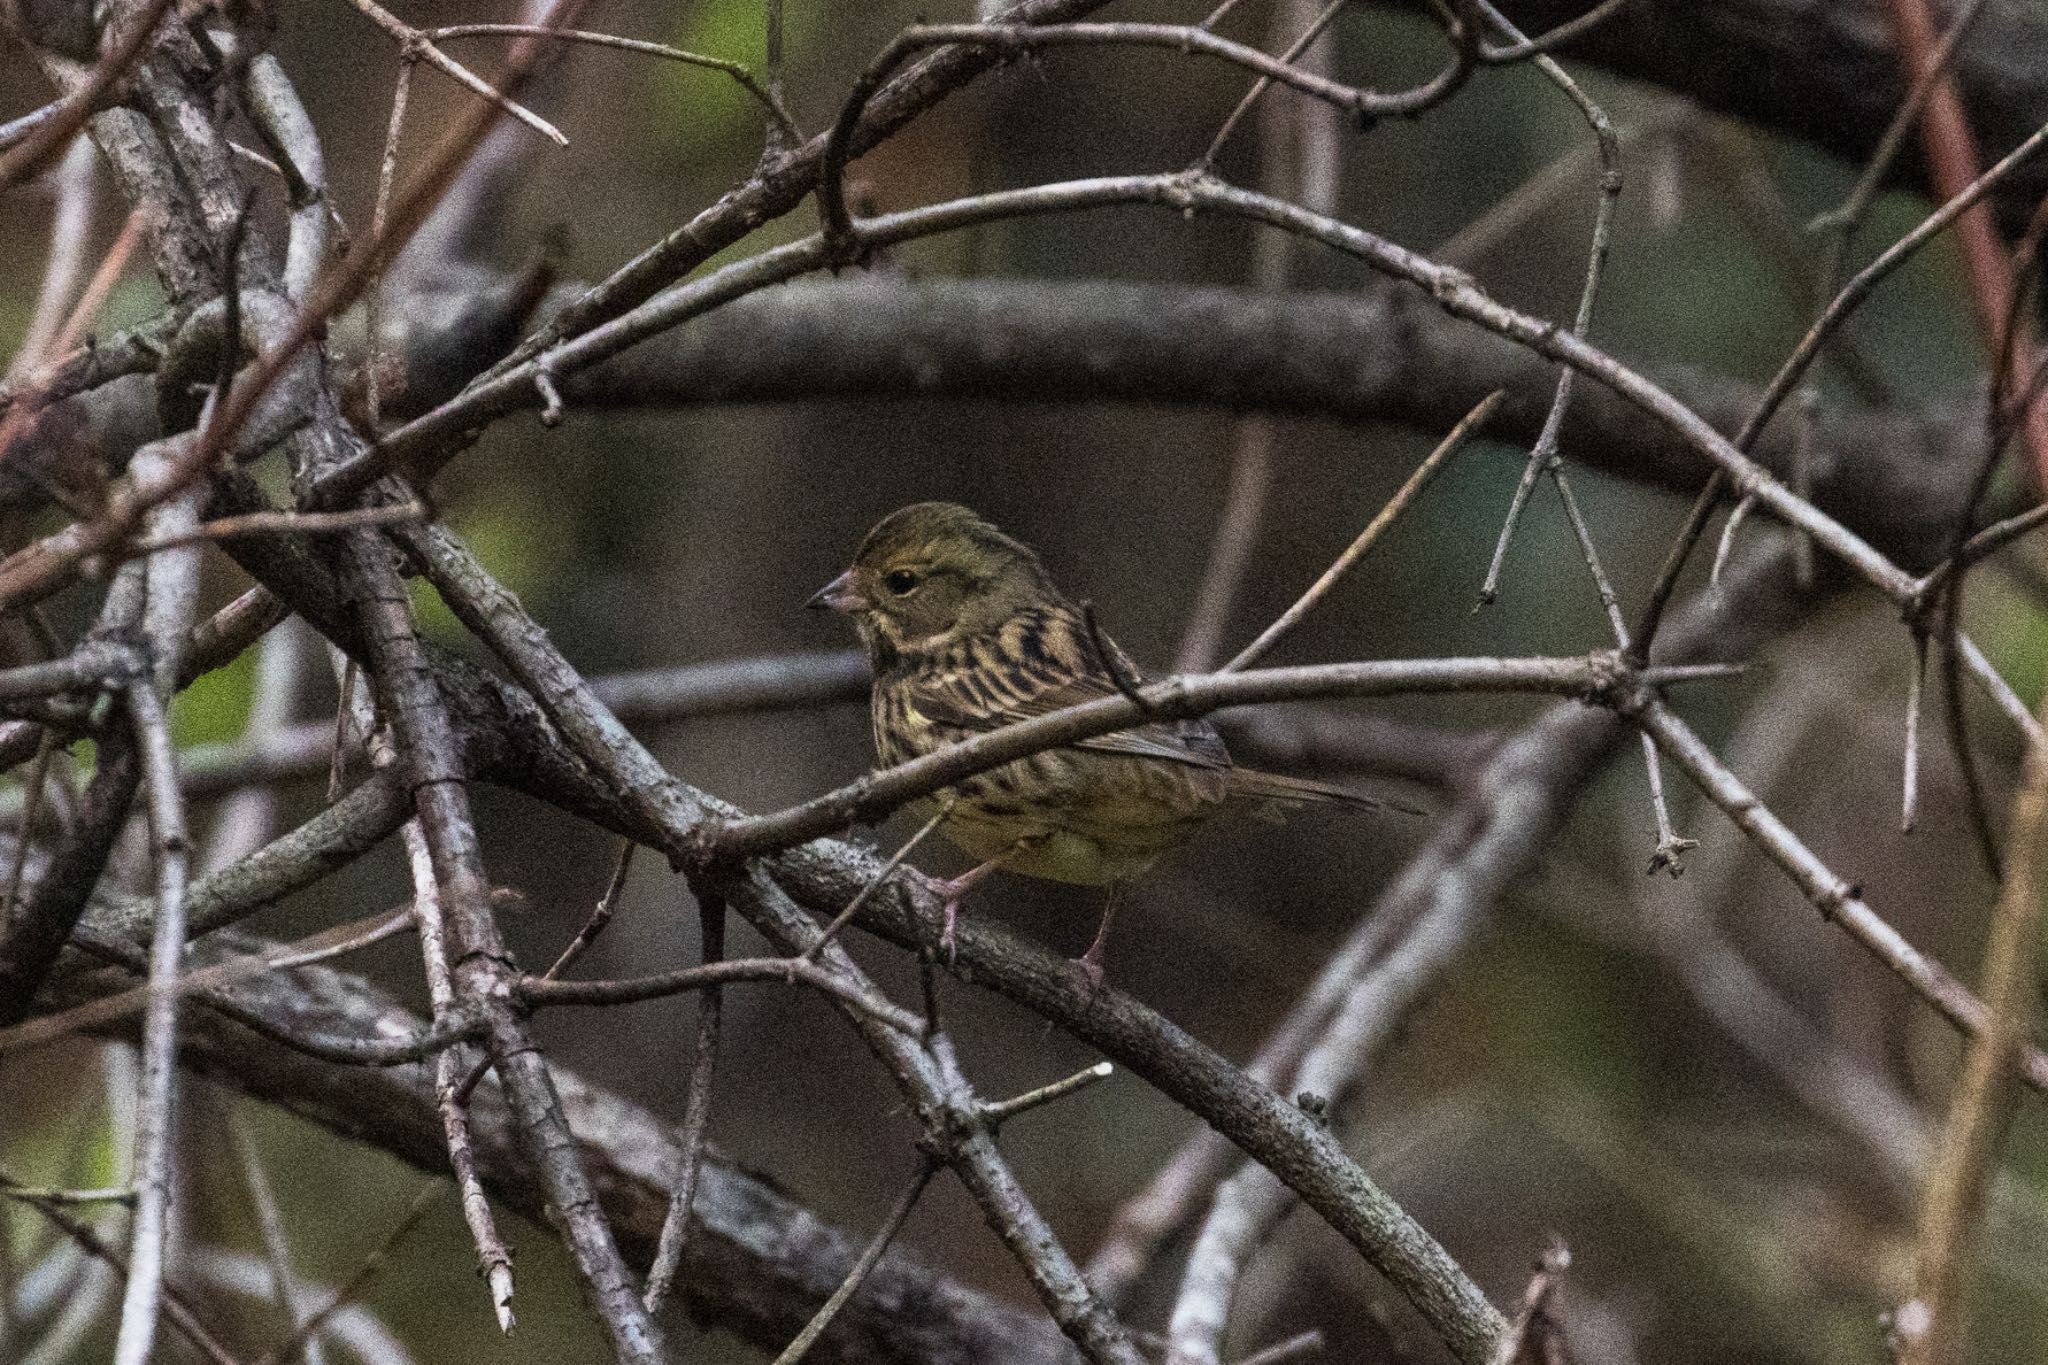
[(1365, 356), (1823, 73), (758, 1263)]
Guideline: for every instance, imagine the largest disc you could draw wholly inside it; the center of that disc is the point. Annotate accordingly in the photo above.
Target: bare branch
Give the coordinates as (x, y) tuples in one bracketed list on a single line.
[(494, 1260), (675, 1228), (134, 29), (892, 1223), (155, 1162), (415, 45), (1838, 900), (1377, 527), (480, 968), (744, 78), (877, 794)]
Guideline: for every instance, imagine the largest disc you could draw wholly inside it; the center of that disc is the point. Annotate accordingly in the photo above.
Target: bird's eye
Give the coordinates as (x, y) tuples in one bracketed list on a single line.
[(901, 582)]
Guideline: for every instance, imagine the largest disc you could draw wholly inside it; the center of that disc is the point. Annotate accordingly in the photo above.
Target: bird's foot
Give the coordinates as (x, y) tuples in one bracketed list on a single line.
[(948, 941), (1089, 965), (954, 892), (1090, 962)]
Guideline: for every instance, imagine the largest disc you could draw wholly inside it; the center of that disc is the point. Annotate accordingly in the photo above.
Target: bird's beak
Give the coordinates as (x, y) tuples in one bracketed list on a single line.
[(839, 595)]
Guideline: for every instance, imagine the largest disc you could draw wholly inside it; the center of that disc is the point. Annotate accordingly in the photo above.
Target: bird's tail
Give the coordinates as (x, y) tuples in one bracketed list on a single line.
[(1254, 785)]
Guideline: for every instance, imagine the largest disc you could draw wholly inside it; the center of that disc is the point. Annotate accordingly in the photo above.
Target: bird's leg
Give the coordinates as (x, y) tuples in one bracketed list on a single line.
[(1090, 962), (956, 890)]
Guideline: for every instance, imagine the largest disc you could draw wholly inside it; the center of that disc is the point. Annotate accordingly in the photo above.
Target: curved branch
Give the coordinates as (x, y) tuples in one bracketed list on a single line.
[(1823, 73), (758, 1264)]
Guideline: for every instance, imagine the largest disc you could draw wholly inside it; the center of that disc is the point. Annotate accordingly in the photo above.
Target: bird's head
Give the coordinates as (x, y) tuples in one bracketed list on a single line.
[(931, 573)]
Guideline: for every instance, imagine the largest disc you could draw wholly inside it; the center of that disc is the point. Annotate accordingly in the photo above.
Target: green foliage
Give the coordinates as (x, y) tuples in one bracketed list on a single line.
[(216, 707), (515, 533), (715, 114), (2014, 634)]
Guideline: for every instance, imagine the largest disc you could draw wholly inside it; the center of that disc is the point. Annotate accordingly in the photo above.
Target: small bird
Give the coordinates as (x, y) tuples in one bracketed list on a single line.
[(966, 633)]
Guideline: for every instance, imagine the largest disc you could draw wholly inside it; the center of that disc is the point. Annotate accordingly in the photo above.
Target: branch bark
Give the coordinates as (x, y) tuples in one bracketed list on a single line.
[(758, 1263), (1823, 73)]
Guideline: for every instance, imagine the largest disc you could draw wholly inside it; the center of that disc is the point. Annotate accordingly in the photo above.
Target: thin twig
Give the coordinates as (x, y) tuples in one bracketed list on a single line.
[(1295, 1348), (1928, 1326), (675, 1226), (1555, 38), (415, 45), (344, 716), (892, 1223), (1300, 149), (1909, 780), (247, 820), (1952, 163), (33, 387), (1108, 659), (281, 524), (82, 102), (52, 1194), (176, 1310), (1230, 548), (205, 981), (31, 811), (494, 1260), (782, 132), (1317, 25), (1410, 489), (539, 993), (2001, 422), (600, 919), (1543, 456), (1986, 543), (1526, 1336), (600, 914), (70, 229), (1001, 1111), (368, 1269), (769, 96), (831, 190), (380, 210), (284, 1284), (904, 850), (1841, 223)]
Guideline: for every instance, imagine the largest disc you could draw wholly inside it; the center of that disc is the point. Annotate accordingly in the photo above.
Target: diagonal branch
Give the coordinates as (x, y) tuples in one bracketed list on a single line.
[(481, 968)]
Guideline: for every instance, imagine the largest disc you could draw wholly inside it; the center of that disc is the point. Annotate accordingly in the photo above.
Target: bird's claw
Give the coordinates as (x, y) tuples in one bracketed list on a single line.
[(1089, 964)]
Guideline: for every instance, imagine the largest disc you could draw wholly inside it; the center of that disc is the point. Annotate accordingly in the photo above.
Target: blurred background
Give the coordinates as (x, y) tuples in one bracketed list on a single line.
[(1564, 1081)]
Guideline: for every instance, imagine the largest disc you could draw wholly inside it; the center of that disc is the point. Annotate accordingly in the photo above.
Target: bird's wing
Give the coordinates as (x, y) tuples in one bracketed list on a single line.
[(1003, 684)]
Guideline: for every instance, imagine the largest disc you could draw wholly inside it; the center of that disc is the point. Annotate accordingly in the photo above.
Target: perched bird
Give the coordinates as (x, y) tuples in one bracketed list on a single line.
[(966, 633)]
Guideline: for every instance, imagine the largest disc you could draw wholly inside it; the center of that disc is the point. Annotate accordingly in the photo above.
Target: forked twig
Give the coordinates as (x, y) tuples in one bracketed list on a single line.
[(767, 96), (416, 45)]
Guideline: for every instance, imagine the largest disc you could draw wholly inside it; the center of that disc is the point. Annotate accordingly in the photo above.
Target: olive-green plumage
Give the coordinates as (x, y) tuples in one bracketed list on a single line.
[(966, 633)]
